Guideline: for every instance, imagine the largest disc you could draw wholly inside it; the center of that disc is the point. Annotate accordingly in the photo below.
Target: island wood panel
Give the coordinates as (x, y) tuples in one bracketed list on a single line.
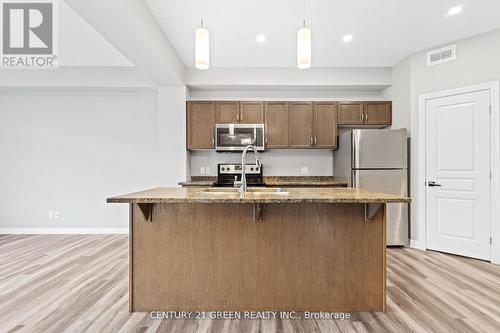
[(251, 112), (350, 113), (300, 125), (200, 125), (227, 112), (276, 124), (378, 113), (306, 256), (325, 125)]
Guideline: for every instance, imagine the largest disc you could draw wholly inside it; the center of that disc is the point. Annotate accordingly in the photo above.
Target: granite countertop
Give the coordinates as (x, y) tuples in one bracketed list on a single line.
[(294, 195), (199, 181), (302, 181), (274, 181)]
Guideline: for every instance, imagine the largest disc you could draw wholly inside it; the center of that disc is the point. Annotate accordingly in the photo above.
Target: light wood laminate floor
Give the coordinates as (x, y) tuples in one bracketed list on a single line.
[(79, 283)]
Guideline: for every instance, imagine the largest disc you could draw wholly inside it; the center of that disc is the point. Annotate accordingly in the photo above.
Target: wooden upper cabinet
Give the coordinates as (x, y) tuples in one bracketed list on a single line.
[(300, 125), (325, 125), (227, 112), (276, 124), (200, 125), (251, 112), (350, 113), (378, 113), (373, 114)]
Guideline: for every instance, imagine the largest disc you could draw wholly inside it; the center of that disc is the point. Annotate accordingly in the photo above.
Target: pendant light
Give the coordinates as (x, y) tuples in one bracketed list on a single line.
[(304, 44), (202, 45)]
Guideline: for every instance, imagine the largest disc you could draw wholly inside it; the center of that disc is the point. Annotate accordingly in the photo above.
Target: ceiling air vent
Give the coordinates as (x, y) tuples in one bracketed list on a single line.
[(441, 55)]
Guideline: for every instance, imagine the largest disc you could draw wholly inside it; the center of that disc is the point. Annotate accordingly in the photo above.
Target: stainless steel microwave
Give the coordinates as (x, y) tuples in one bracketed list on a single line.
[(235, 137)]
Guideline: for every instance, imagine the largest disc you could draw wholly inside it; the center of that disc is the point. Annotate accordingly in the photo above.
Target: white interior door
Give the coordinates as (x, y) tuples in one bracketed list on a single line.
[(458, 162)]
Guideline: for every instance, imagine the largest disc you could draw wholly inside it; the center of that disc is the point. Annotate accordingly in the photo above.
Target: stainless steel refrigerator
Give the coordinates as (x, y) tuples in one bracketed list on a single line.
[(377, 160)]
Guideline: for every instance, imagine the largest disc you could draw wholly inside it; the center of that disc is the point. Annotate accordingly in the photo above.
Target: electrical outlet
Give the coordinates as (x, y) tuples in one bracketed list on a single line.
[(56, 215), (207, 170), (304, 170), (51, 214), (202, 170)]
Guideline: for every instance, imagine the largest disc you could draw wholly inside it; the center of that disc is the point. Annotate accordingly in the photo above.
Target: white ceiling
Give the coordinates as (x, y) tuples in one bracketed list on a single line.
[(385, 31)]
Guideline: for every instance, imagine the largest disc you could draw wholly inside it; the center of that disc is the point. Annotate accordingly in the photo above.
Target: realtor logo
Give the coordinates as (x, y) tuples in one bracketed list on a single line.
[(28, 34)]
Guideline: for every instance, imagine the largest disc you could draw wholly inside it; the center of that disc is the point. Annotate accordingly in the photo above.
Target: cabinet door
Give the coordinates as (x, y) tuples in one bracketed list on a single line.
[(350, 113), (300, 125), (276, 124), (378, 113), (200, 125), (227, 112), (325, 125), (251, 113)]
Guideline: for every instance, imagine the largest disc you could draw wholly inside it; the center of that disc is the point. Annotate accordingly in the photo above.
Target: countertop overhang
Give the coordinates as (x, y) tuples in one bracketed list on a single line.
[(171, 195)]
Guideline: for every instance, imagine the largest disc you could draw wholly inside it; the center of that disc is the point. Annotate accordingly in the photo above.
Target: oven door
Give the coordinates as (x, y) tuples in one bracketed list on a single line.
[(235, 137)]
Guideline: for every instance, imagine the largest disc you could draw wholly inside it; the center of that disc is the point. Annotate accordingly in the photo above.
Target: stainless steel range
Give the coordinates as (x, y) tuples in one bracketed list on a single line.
[(227, 174)]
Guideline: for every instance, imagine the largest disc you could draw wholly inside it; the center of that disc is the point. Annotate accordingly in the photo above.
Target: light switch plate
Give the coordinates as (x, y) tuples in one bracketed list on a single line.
[(202, 170), (207, 170), (304, 170)]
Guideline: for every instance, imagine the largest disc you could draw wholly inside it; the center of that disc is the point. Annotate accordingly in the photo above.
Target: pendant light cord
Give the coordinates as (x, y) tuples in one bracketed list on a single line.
[(304, 14), (201, 10)]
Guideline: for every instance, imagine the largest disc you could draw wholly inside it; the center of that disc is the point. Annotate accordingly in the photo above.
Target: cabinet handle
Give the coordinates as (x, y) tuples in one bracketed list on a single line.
[(361, 116), (315, 141), (366, 117), (241, 117), (213, 142), (265, 134), (311, 141)]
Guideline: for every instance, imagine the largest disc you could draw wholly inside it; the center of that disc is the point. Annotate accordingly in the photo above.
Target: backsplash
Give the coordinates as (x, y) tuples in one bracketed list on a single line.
[(287, 162)]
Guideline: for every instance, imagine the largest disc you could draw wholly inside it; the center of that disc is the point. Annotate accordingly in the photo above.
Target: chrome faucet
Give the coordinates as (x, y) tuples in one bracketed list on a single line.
[(243, 182)]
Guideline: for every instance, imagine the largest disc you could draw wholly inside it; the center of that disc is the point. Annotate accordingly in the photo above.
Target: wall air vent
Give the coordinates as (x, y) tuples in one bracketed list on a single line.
[(441, 55)]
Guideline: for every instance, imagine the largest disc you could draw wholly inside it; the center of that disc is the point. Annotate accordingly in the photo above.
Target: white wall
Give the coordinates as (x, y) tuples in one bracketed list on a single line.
[(79, 44), (276, 162), (399, 93), (477, 62), (171, 127), (69, 151), (269, 77), (132, 29)]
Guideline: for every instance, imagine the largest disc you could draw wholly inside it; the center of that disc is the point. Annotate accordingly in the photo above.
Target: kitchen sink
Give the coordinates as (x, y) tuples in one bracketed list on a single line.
[(250, 190)]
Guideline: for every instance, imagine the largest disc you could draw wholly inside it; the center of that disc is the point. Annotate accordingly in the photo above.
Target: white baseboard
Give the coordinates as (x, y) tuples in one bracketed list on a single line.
[(415, 244), (58, 231)]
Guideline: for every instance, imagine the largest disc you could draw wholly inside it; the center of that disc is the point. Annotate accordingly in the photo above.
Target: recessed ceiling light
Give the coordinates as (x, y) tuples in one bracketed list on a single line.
[(455, 10), (347, 38), (261, 38)]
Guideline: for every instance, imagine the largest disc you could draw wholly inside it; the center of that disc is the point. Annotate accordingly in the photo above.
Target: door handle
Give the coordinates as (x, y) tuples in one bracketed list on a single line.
[(433, 184)]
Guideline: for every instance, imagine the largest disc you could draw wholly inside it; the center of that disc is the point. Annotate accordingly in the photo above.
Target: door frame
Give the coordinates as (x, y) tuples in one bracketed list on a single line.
[(420, 186)]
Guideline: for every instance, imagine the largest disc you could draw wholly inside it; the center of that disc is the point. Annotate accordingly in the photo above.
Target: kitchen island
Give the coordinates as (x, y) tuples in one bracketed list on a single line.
[(299, 249)]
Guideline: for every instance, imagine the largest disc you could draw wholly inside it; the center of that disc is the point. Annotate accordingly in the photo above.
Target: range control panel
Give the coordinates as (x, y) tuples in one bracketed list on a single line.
[(236, 169)]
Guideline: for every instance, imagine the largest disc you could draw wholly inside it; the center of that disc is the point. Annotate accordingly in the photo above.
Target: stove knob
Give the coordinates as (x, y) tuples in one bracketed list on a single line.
[(251, 169)]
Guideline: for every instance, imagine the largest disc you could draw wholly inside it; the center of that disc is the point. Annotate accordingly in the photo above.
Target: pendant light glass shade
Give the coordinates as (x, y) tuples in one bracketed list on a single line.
[(304, 48), (202, 49)]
